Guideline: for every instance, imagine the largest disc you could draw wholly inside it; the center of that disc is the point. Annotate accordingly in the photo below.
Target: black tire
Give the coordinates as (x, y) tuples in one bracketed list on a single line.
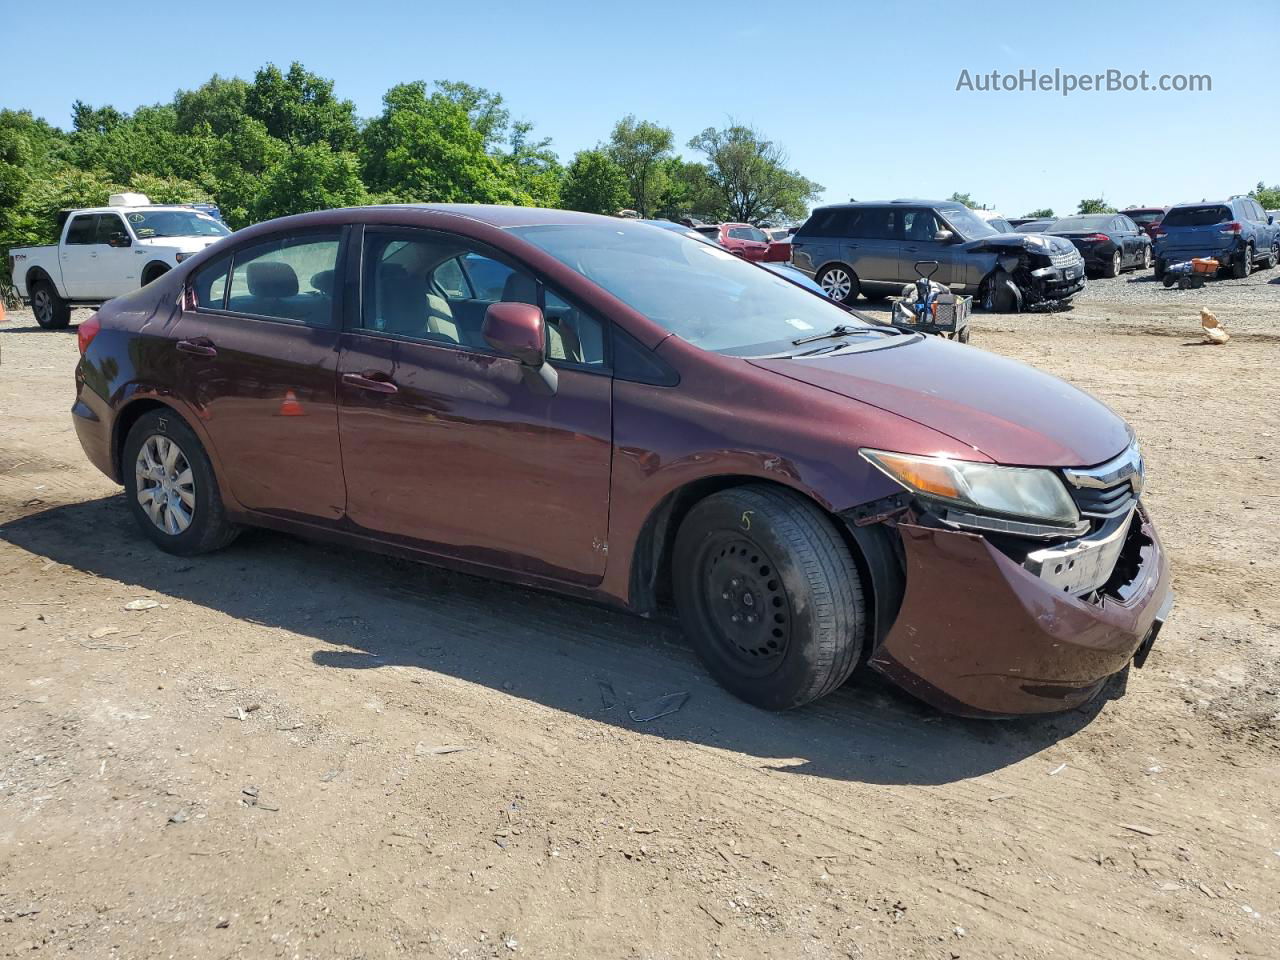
[(52, 312), (209, 529), (1159, 269), (828, 279), (1114, 265), (963, 335), (766, 552), (873, 297), (1273, 257), (1169, 280), (995, 294), (153, 273), (1243, 266)]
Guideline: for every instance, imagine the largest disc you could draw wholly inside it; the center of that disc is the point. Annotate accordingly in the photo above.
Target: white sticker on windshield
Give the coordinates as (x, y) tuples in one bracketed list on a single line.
[(799, 324)]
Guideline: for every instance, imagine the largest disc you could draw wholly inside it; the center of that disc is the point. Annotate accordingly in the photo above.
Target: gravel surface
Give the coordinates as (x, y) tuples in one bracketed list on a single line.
[(295, 751)]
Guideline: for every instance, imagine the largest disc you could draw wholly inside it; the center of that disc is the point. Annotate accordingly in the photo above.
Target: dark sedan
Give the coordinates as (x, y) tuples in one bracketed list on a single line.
[(641, 419), (1109, 242)]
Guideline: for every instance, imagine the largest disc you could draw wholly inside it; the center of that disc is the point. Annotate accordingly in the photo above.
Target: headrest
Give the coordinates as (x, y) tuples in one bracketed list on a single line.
[(520, 288), (323, 281), (272, 280)]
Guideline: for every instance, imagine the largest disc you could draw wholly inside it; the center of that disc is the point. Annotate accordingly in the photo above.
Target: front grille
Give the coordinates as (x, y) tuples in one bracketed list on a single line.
[(1103, 501), (1066, 259)]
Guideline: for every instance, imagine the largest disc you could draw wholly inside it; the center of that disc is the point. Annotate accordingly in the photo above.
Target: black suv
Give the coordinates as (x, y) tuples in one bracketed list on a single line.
[(872, 248)]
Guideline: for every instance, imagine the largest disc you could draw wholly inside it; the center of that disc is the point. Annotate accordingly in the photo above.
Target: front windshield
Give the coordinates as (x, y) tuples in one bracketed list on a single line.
[(968, 224), (701, 293), (174, 223)]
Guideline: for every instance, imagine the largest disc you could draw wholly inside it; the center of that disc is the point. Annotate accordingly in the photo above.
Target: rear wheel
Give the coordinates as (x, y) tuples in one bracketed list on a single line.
[(1273, 257), (839, 283), (1112, 268), (170, 487), (1146, 258), (769, 595), (1242, 267), (52, 312)]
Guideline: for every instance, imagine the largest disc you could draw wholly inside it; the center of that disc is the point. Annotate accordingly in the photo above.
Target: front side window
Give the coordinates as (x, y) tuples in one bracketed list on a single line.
[(83, 230), (918, 225), (699, 292), (966, 223), (748, 233), (287, 278), (111, 230)]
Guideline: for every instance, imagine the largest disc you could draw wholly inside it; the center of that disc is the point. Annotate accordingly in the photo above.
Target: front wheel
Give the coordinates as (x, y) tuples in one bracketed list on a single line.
[(52, 312), (769, 595), (839, 283), (170, 487)]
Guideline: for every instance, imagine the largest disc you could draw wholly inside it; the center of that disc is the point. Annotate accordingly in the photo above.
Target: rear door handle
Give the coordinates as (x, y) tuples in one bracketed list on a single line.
[(200, 347), (369, 382)]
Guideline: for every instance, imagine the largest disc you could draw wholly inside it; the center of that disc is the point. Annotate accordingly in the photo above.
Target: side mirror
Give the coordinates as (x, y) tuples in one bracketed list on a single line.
[(518, 331), (120, 240), (944, 236)]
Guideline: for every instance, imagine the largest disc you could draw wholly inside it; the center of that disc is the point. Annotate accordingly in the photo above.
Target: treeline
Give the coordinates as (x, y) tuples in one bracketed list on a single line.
[(285, 143)]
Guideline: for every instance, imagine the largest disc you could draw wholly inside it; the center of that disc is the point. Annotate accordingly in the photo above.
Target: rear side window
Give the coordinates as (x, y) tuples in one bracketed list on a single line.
[(1204, 216), (877, 223), (83, 230), (287, 278)]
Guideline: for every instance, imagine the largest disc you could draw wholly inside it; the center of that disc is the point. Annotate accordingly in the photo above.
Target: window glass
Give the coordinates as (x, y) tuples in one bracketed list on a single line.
[(288, 278), (488, 277), (572, 335), (449, 280), (748, 233), (1202, 216), (83, 229), (210, 284), (110, 226), (918, 225), (877, 224), (175, 223)]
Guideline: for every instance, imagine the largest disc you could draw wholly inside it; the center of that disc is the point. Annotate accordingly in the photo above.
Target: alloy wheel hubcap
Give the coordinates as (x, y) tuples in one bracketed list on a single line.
[(747, 607), (43, 307), (837, 284), (166, 486), (1115, 262)]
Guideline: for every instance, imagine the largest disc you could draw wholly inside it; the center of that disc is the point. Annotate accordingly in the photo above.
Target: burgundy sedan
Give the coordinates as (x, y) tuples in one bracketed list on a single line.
[(625, 414)]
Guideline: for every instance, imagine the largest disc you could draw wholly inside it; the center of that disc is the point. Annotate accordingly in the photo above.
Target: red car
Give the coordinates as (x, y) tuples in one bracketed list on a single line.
[(748, 242), (628, 415), (1147, 218)]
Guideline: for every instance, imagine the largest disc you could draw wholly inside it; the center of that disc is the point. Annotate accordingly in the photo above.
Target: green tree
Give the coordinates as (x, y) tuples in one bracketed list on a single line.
[(1268, 197), (966, 199), (639, 147), (690, 192), (215, 108), (299, 106), (1040, 214), (310, 177), (483, 107), (751, 175), (594, 183), (1097, 205), (427, 148)]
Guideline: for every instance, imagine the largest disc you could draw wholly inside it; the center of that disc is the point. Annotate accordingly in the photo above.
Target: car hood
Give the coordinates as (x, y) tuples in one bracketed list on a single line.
[(1034, 242), (1006, 410), (181, 244)]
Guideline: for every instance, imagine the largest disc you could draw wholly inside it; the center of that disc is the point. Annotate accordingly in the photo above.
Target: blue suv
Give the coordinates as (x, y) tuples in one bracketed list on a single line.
[(1237, 232)]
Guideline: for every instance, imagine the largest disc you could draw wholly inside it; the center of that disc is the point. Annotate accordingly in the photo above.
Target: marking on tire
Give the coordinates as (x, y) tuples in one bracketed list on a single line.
[(746, 519)]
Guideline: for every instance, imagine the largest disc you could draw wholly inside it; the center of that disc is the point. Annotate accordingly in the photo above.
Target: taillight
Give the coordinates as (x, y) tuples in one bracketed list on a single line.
[(87, 331), (1098, 238), (1157, 232), (1232, 227)]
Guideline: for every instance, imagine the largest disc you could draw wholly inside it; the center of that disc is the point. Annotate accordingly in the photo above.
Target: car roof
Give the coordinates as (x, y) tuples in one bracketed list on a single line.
[(161, 207), (505, 216), (944, 204)]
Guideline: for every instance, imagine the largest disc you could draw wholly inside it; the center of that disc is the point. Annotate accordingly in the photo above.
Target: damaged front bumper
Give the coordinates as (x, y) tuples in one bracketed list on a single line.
[(1055, 283), (980, 634)]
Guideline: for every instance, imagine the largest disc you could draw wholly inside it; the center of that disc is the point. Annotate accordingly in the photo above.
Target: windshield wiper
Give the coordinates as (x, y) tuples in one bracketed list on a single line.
[(845, 330)]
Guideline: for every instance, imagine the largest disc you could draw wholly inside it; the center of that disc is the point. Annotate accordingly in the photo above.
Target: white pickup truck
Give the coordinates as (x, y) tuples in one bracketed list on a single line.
[(104, 252)]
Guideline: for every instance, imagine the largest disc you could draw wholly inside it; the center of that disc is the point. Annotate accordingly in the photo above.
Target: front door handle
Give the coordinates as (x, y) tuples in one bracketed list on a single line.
[(200, 347), (369, 381)]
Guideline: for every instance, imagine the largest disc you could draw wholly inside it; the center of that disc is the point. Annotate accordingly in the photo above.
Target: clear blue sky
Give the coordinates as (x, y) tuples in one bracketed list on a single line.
[(862, 95)]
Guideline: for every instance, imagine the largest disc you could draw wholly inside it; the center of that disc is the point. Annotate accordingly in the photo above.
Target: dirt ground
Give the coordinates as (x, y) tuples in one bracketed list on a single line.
[(256, 766)]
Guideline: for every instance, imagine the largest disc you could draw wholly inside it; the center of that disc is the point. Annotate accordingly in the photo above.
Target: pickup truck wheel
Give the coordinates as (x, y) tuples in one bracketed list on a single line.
[(1242, 267), (52, 312), (769, 595), (839, 283), (170, 487), (151, 273)]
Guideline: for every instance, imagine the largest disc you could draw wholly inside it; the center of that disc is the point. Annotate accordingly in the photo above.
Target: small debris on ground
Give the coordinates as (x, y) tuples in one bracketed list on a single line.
[(424, 750), (659, 707), (142, 604)]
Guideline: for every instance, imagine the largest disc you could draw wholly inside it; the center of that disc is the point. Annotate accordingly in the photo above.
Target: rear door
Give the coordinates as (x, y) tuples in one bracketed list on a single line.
[(256, 351), (78, 257), (871, 245), (451, 448)]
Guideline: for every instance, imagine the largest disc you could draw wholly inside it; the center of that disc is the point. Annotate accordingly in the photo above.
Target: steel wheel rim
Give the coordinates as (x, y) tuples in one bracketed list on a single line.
[(837, 284), (747, 609), (166, 488)]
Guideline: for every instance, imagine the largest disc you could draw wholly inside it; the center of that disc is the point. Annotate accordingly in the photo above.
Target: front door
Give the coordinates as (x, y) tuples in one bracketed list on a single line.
[(919, 225), (117, 265), (451, 448), (258, 347)]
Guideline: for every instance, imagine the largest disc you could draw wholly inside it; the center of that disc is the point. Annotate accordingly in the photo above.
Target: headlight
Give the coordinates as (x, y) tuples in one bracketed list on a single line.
[(1026, 493)]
